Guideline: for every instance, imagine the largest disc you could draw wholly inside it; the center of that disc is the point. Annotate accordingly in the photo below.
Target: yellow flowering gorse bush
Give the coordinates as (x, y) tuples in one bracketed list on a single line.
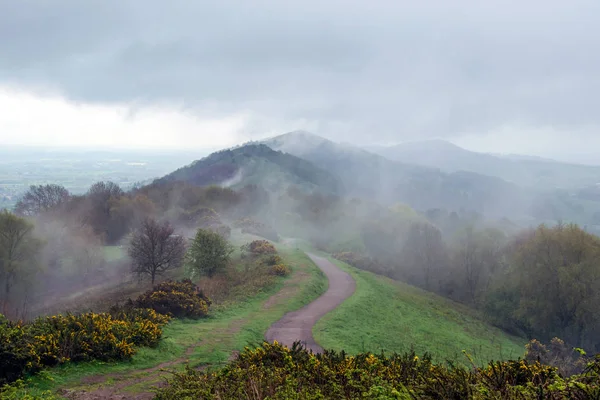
[(273, 371), (26, 348), (280, 270)]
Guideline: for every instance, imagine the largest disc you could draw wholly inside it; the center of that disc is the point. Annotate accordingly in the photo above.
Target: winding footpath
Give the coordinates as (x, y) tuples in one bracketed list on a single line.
[(297, 325)]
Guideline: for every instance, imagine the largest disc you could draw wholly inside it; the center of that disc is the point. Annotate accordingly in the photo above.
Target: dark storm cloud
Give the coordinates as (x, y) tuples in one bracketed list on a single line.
[(396, 69)]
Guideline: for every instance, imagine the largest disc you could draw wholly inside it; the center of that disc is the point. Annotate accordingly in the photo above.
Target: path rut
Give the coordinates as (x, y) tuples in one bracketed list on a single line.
[(297, 325)]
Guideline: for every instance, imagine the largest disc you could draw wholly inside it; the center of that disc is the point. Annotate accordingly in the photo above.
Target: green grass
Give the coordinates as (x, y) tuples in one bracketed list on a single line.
[(382, 315), (390, 316), (113, 253), (306, 292), (229, 328)]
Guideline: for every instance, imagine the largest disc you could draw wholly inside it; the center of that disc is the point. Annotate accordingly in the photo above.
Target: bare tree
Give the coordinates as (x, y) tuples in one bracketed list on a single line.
[(154, 249), (41, 198)]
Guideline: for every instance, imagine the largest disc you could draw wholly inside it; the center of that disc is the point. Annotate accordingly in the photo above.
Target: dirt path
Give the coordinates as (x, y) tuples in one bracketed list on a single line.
[(297, 325), (113, 386)]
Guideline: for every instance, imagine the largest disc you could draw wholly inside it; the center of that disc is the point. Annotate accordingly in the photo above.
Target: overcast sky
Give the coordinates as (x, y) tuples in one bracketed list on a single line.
[(502, 76)]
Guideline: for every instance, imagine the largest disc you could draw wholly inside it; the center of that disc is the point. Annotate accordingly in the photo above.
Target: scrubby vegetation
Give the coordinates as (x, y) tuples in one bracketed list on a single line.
[(242, 299), (259, 247), (261, 254), (59, 248), (273, 371), (280, 270), (25, 348), (541, 282), (178, 299)]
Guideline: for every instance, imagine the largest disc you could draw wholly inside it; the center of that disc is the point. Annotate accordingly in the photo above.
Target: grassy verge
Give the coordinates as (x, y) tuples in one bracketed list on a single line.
[(113, 253), (386, 315), (197, 342)]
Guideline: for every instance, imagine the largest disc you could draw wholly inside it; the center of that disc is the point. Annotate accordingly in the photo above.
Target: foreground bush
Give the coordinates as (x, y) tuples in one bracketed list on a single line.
[(557, 353), (259, 247), (277, 372), (261, 254), (280, 270), (180, 299), (272, 259), (50, 341)]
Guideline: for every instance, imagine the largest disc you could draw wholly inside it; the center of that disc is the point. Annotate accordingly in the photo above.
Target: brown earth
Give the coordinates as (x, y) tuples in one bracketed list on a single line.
[(297, 325)]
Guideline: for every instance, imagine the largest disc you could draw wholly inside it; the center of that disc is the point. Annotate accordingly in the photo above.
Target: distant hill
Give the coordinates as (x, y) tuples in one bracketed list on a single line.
[(256, 164), (522, 170), (373, 176)]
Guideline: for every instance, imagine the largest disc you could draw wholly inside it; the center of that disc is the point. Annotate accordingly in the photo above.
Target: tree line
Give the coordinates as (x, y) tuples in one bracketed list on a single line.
[(54, 241), (539, 283)]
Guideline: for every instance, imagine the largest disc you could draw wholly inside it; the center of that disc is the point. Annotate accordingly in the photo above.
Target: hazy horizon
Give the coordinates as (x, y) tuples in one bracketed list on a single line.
[(489, 77), (589, 158)]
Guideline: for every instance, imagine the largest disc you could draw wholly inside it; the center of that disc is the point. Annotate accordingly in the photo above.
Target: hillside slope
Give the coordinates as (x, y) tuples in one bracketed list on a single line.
[(391, 316), (239, 320), (541, 173), (256, 164), (368, 175)]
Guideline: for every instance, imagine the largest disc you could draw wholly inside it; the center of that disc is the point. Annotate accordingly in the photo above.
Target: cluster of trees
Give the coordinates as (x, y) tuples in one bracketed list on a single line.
[(111, 213), (155, 249), (540, 283), (54, 241), (19, 261)]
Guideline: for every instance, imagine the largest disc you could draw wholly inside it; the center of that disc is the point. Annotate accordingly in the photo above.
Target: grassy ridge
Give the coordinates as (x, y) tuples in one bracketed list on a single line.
[(197, 342), (392, 316)]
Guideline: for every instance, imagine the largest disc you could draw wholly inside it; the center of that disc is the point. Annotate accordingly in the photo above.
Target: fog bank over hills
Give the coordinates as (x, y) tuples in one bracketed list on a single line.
[(520, 169), (425, 175)]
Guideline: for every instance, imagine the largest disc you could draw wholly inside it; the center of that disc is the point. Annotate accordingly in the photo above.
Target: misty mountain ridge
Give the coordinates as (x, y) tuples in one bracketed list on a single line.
[(368, 175), (316, 164), (523, 170), (256, 164)]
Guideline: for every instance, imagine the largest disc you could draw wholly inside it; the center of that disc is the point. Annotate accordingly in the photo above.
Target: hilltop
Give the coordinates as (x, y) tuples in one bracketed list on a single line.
[(256, 164), (521, 170), (372, 176), (440, 175)]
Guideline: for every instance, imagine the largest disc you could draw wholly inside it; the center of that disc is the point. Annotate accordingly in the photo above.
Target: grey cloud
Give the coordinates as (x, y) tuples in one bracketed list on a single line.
[(398, 69)]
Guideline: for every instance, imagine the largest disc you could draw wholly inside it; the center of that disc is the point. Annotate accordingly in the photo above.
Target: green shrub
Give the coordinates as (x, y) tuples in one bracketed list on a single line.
[(180, 299), (18, 391), (277, 372), (50, 341), (259, 247), (272, 259), (15, 355), (557, 354), (280, 270)]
